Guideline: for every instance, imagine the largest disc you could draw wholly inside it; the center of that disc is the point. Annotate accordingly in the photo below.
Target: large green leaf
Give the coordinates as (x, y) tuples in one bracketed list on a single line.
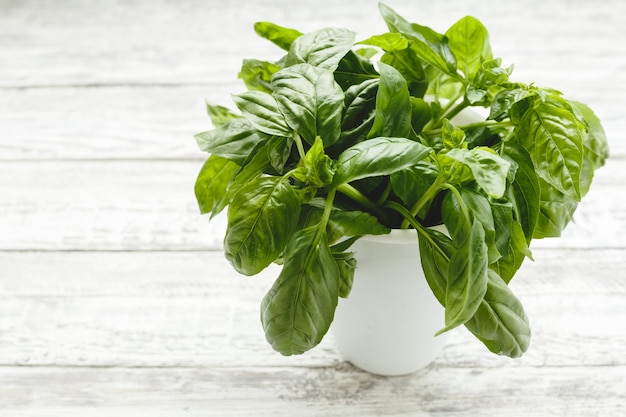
[(299, 308), (500, 321), (261, 110), (517, 251), (469, 42), (431, 46), (596, 148), (322, 48), (234, 140), (311, 101), (212, 182), (354, 69), (393, 107), (554, 138), (378, 156), (467, 276), (254, 239), (359, 113), (435, 252), (280, 36), (488, 168)]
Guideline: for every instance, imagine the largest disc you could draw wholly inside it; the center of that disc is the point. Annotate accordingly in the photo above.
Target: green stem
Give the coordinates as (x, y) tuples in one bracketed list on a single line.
[(328, 207), (355, 195), (458, 196), (383, 197), (456, 110), (425, 198), (298, 140), (413, 221)]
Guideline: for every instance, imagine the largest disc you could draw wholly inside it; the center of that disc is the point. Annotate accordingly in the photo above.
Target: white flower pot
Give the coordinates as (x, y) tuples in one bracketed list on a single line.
[(386, 326)]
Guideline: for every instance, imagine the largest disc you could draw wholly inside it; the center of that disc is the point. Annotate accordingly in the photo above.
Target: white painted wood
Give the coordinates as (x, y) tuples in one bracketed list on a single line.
[(150, 205), (114, 296), (191, 309), (338, 391)]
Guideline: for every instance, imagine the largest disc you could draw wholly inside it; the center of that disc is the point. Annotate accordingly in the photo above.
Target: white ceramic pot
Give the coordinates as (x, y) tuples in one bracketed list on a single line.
[(386, 326)]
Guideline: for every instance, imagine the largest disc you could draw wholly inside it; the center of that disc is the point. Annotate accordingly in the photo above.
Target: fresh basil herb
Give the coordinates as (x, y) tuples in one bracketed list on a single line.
[(339, 139)]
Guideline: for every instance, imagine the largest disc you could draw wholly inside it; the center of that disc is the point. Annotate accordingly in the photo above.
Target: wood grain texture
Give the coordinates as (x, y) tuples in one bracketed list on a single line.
[(192, 310), (115, 298), (150, 205)]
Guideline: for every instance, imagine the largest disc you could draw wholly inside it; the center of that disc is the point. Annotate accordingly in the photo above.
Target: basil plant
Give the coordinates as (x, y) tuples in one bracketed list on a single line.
[(340, 139)]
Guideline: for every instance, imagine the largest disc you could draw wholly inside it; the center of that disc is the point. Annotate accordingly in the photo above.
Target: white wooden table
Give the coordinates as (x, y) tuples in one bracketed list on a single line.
[(114, 295)]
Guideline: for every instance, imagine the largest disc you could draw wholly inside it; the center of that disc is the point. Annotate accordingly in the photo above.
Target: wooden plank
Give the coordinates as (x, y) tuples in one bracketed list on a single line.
[(191, 309), (155, 122), (92, 44), (338, 391), (107, 123), (150, 205)]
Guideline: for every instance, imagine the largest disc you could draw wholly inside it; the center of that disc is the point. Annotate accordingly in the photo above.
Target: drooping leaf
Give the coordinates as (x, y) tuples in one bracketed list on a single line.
[(212, 182), (525, 188), (261, 110), (517, 251), (322, 48), (254, 238), (234, 140), (436, 249), (280, 36), (311, 101), (378, 156), (467, 277), (220, 115), (299, 308), (257, 74), (500, 321), (347, 265), (556, 211), (393, 107), (469, 42)]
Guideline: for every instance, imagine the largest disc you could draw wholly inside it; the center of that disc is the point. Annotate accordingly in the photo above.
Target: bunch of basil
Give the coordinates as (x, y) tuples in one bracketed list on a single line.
[(337, 140)]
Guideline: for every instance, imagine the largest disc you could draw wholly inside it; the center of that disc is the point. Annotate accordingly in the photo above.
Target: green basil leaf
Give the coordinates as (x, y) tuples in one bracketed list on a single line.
[(299, 308), (378, 156), (467, 277), (500, 321), (342, 223), (554, 138), (234, 140), (212, 182), (411, 67), (322, 48), (411, 183), (488, 168), (451, 136), (317, 168), (596, 148), (257, 74), (469, 42), (525, 187), (311, 101), (556, 211), (421, 114), (393, 107), (504, 101), (517, 251), (436, 249), (431, 46), (278, 35), (220, 115), (359, 113), (254, 238), (354, 69), (261, 110), (347, 266), (388, 42)]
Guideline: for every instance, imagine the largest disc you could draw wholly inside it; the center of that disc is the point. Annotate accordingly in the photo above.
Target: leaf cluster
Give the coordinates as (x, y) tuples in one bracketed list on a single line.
[(340, 139)]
